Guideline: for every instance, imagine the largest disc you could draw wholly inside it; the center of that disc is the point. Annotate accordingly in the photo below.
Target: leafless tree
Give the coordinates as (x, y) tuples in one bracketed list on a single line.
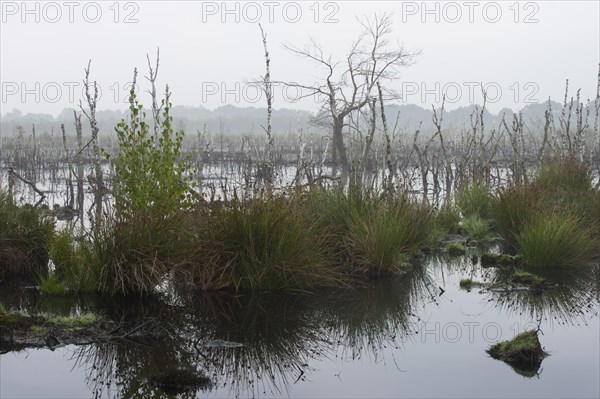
[(268, 90), (96, 180), (349, 85)]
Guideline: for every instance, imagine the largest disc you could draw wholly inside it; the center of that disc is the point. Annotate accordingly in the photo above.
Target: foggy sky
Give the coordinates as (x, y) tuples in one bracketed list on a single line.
[(210, 51)]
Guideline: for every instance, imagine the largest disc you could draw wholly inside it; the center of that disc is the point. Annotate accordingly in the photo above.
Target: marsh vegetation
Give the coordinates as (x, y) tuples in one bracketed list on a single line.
[(229, 267)]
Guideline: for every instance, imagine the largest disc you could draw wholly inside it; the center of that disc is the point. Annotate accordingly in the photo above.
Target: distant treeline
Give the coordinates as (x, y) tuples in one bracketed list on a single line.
[(232, 120)]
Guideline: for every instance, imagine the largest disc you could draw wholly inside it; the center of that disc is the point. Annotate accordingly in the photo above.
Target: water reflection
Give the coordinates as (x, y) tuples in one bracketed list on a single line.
[(251, 345), (572, 302), (255, 345)]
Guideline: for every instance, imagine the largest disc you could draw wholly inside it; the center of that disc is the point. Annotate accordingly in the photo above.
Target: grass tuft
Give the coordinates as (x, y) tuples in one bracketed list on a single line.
[(455, 249), (565, 175), (475, 228), (556, 242), (511, 210), (372, 235), (265, 244), (474, 200), (25, 233), (83, 320), (52, 285), (72, 263)]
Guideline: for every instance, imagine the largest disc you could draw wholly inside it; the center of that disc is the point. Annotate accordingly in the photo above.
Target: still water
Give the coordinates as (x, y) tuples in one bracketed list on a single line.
[(419, 335)]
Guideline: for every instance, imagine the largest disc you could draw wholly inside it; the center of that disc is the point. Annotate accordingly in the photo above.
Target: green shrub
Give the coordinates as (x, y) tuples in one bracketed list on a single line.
[(25, 233), (151, 177), (146, 237)]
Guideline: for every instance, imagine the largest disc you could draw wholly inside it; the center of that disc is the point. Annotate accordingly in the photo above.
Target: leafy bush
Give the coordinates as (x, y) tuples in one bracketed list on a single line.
[(152, 188), (151, 177)]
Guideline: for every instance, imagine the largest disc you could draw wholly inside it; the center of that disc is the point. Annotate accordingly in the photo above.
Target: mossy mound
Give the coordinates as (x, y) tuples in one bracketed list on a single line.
[(521, 277), (456, 249), (467, 283), (19, 331), (523, 353)]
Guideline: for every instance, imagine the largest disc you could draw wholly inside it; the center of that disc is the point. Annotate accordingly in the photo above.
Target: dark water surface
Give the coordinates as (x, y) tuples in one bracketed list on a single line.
[(419, 335)]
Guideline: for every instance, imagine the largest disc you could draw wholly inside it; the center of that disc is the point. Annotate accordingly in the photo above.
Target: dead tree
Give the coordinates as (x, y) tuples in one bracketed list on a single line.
[(268, 90), (96, 180), (347, 86), (389, 184), (70, 200)]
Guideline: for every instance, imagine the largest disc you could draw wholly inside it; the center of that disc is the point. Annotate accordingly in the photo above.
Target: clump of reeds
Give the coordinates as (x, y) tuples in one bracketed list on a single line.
[(512, 209), (136, 255), (556, 242), (25, 233), (73, 263), (306, 240), (372, 234), (265, 243), (475, 227), (52, 284), (474, 200), (552, 220)]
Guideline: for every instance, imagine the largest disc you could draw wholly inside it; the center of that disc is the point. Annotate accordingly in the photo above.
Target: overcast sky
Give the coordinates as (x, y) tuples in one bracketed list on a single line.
[(521, 51)]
